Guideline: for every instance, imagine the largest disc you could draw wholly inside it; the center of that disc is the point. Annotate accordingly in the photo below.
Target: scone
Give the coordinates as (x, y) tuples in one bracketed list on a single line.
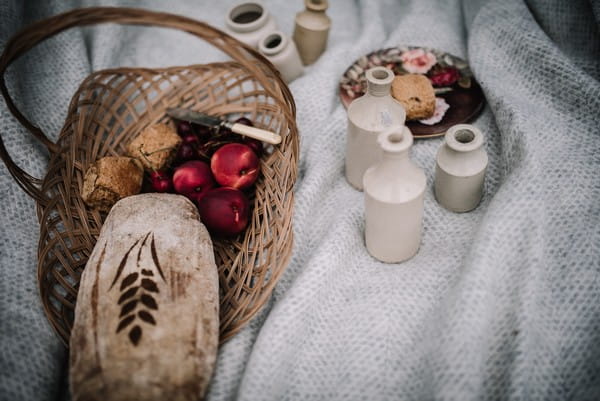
[(415, 93), (155, 146), (110, 179)]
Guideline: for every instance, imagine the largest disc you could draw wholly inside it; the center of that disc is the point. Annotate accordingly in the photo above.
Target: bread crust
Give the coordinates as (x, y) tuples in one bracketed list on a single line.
[(110, 179), (155, 147)]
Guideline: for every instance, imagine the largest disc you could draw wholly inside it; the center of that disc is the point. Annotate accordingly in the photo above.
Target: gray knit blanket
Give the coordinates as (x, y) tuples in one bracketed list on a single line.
[(502, 303)]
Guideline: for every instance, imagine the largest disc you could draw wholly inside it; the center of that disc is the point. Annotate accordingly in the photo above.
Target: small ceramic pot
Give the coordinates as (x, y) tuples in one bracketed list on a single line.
[(249, 22), (368, 116), (394, 199), (461, 163), (282, 52), (311, 30)]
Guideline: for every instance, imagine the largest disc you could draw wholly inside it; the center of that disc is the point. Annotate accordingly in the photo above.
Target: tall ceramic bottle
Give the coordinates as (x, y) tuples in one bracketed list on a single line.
[(394, 195), (311, 30), (368, 116), (249, 22), (461, 163)]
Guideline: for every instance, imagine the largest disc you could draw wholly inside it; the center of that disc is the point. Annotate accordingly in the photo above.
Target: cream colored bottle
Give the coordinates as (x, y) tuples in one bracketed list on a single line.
[(311, 30), (368, 116), (461, 163), (282, 52), (394, 199), (249, 22)]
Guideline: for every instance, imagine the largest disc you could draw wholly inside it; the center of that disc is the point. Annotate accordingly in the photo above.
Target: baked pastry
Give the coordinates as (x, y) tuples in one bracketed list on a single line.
[(155, 146), (109, 179), (415, 93), (147, 315)]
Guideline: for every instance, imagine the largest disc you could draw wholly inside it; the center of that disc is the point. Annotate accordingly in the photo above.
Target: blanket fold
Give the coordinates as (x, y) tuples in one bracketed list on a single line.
[(502, 303)]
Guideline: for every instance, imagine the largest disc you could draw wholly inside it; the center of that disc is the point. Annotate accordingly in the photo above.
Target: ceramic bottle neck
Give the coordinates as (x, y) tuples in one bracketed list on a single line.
[(273, 44), (247, 17), (396, 160), (379, 81), (316, 6), (395, 144), (463, 138)]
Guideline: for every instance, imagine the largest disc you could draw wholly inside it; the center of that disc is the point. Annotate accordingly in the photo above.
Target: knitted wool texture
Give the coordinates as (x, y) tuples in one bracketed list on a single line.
[(502, 303)]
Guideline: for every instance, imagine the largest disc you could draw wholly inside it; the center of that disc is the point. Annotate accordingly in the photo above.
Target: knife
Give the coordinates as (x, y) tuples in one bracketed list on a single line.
[(216, 122)]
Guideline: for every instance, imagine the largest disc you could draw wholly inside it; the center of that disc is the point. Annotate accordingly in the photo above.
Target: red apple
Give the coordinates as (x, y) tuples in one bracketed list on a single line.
[(192, 179), (161, 181), (224, 211), (235, 165)]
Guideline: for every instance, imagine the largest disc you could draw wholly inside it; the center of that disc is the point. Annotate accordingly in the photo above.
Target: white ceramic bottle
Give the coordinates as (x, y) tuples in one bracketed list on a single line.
[(394, 196), (249, 22), (282, 52), (368, 116), (311, 30), (461, 163)]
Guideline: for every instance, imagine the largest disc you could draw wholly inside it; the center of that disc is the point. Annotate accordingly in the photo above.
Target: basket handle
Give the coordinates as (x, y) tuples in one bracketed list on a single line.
[(44, 29)]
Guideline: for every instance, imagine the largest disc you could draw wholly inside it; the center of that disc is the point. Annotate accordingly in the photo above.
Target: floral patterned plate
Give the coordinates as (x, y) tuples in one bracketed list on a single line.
[(459, 98)]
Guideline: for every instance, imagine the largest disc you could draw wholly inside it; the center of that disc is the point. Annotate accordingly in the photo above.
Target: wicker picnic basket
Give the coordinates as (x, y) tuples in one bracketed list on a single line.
[(112, 106)]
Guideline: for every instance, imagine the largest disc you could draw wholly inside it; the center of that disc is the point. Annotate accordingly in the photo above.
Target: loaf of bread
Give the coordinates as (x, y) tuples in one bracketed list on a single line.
[(146, 320), (109, 179), (155, 146), (415, 93)]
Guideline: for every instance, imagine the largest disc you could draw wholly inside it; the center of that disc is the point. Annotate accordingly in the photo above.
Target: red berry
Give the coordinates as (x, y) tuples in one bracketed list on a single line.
[(254, 144), (190, 138), (161, 181), (245, 121), (184, 128), (185, 152)]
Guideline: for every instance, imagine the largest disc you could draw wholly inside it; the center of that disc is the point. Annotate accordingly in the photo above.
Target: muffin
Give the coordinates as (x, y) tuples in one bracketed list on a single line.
[(415, 93)]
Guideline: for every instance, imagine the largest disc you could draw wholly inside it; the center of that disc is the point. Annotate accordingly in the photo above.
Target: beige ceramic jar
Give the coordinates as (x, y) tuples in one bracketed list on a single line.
[(249, 22), (460, 169), (311, 30), (282, 52), (368, 116), (394, 197)]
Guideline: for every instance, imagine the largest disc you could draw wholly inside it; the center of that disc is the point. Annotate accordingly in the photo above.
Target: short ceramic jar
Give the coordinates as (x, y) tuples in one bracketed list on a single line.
[(460, 169), (311, 30), (282, 52), (249, 22), (368, 116), (394, 199)]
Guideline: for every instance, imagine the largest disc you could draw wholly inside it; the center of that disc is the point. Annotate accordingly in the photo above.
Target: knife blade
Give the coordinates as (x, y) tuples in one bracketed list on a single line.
[(217, 122)]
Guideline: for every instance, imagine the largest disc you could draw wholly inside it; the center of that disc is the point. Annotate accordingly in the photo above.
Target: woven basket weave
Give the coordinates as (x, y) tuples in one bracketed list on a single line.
[(109, 109)]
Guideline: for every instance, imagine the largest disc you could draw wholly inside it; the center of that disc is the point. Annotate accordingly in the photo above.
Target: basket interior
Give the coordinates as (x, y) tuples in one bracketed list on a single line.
[(108, 110)]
